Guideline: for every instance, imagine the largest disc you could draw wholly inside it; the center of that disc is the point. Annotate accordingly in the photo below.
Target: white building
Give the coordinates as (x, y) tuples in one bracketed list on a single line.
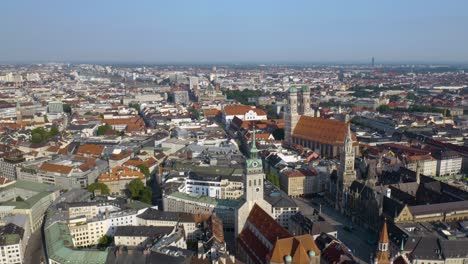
[(448, 163), (243, 112), (12, 244), (214, 186), (55, 107)]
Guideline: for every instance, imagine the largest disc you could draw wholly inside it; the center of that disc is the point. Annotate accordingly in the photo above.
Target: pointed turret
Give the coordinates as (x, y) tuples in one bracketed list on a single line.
[(383, 255), (253, 148)]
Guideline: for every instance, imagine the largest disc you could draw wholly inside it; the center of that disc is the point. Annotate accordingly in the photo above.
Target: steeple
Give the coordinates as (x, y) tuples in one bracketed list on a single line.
[(291, 114), (383, 256), (347, 174), (253, 148), (402, 247)]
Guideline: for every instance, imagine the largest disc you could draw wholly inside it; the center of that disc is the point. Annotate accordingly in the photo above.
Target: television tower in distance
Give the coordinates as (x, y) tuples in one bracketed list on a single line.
[(373, 62)]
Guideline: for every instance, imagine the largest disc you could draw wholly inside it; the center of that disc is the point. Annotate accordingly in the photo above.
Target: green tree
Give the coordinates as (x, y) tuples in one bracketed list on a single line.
[(384, 109), (105, 241), (46, 120), (53, 131), (67, 108), (144, 170), (102, 130), (145, 195), (394, 98), (135, 106), (99, 186), (40, 135), (273, 178), (36, 138), (135, 187), (244, 95), (411, 96)]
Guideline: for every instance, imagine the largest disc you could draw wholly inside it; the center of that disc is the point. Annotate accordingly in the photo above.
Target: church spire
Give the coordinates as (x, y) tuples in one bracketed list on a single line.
[(383, 256), (253, 148)]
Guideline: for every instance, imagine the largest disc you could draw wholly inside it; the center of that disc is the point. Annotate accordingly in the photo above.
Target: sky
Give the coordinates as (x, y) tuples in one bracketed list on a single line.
[(234, 31)]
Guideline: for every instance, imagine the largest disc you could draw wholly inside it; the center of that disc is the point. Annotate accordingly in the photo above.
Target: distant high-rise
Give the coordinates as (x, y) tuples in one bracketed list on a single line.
[(373, 61)]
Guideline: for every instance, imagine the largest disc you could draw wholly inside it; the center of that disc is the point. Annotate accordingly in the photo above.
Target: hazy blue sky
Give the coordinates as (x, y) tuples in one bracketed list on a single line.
[(234, 31)]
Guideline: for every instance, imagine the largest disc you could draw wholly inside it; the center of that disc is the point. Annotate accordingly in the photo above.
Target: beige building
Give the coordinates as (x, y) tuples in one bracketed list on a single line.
[(301, 182), (27, 198), (118, 178), (442, 212)]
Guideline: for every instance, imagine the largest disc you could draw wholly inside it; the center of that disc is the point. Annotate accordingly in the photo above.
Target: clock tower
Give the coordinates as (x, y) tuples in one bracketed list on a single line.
[(253, 188), (254, 174)]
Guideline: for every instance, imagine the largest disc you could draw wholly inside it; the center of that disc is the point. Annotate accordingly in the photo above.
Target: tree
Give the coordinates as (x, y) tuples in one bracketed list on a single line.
[(105, 241), (53, 131), (102, 130), (244, 95), (278, 134), (67, 108), (411, 96), (146, 195), (135, 106), (383, 109), (394, 98), (273, 178), (46, 120), (36, 138), (99, 186), (135, 186), (40, 135), (144, 170)]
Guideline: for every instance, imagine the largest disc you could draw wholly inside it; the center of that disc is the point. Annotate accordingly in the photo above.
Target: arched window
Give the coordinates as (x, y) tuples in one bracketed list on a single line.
[(250, 182)]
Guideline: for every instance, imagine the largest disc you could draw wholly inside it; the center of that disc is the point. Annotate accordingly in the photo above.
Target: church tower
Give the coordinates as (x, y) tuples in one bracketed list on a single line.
[(346, 173), (253, 188), (19, 116), (254, 174), (383, 255), (305, 108), (291, 114)]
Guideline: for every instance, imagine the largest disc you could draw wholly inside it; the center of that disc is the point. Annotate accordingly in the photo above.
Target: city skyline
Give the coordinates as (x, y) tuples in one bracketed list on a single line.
[(212, 32)]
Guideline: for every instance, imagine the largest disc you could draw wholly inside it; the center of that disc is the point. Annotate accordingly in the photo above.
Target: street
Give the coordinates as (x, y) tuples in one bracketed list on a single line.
[(34, 250), (356, 240)]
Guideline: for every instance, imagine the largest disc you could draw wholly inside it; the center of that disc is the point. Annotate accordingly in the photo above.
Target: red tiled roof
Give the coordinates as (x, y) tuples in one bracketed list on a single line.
[(56, 168), (249, 242), (325, 131), (90, 149), (266, 225), (297, 247), (241, 110), (119, 173)]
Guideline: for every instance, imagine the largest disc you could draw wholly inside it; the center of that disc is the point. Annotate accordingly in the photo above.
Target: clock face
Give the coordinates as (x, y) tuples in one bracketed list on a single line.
[(254, 164), (257, 189)]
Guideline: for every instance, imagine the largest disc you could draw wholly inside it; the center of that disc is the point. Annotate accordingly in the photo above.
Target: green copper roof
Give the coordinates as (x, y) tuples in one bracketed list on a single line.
[(292, 89), (305, 88), (59, 245)]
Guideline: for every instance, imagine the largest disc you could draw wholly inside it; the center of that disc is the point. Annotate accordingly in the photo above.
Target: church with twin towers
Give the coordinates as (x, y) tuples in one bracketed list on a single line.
[(305, 127)]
